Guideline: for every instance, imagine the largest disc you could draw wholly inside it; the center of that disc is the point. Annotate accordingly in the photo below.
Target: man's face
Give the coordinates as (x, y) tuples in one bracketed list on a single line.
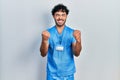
[(60, 18)]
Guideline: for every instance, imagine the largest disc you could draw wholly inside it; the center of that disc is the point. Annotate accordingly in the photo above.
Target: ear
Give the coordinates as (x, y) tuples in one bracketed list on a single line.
[(53, 16)]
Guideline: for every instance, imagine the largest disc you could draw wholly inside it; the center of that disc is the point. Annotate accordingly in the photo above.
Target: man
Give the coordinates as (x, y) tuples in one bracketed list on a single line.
[(60, 43)]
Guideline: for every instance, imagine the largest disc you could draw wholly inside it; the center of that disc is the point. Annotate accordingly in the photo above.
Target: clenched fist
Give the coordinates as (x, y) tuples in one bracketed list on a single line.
[(45, 35), (77, 35)]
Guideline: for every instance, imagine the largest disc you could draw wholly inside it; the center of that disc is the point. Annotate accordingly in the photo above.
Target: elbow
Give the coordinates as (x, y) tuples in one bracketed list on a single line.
[(43, 54), (77, 54)]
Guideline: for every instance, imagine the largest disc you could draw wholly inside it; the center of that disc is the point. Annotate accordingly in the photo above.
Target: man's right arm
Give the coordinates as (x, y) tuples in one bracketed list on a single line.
[(44, 43)]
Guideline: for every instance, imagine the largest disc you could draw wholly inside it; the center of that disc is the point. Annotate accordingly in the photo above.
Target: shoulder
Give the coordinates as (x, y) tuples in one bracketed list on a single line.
[(51, 29), (69, 29)]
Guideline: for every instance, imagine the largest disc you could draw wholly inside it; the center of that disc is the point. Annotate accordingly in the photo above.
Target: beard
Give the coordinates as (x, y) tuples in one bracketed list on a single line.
[(60, 22)]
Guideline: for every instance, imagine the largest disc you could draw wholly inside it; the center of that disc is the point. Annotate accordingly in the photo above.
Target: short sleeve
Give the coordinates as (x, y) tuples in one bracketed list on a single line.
[(49, 38), (73, 38)]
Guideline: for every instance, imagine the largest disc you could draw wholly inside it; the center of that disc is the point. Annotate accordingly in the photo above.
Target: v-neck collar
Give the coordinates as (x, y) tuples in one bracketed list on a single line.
[(60, 34)]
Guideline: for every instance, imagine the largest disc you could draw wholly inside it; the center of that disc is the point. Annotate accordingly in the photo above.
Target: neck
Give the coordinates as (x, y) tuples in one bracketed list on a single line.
[(60, 28)]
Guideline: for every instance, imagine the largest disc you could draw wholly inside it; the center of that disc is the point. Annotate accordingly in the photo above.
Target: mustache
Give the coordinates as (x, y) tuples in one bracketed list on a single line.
[(60, 20)]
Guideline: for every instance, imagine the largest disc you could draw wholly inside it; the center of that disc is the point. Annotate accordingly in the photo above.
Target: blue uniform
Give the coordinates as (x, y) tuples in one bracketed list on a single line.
[(60, 59)]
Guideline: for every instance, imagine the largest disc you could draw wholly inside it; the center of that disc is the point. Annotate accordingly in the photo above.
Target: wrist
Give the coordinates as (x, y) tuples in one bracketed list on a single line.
[(44, 41), (78, 41)]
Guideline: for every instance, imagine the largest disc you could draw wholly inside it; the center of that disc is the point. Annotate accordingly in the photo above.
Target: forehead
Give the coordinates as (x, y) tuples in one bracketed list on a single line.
[(60, 12)]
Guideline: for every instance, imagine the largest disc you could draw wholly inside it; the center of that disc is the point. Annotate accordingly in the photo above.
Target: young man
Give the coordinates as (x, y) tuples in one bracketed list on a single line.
[(60, 43)]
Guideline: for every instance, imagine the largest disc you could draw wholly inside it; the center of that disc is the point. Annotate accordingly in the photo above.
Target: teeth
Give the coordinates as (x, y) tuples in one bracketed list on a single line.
[(60, 21)]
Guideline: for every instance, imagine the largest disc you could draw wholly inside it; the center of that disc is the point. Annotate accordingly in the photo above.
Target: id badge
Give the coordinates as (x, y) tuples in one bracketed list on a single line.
[(59, 48)]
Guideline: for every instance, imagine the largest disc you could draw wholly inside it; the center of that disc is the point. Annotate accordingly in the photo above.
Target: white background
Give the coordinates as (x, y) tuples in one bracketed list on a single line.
[(21, 24)]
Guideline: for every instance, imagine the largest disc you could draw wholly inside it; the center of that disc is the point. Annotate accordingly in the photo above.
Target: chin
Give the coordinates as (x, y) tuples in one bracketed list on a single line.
[(60, 25)]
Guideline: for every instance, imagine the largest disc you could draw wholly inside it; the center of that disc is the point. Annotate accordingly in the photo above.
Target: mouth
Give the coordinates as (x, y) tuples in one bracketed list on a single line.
[(60, 21)]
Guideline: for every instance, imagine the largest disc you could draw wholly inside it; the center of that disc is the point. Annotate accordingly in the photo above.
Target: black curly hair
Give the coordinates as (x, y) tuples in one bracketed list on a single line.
[(60, 7)]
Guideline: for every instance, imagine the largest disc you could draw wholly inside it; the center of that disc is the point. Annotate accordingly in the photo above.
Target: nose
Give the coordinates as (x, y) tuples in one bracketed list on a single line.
[(60, 17)]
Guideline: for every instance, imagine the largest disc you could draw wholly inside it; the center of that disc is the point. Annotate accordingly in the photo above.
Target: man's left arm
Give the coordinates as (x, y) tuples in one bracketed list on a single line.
[(76, 46)]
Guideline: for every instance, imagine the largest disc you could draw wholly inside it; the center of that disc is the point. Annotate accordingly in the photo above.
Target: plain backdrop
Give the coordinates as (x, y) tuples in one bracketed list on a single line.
[(21, 25)]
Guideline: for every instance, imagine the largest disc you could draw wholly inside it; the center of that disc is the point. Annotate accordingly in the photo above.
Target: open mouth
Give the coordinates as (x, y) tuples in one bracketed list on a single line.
[(60, 21)]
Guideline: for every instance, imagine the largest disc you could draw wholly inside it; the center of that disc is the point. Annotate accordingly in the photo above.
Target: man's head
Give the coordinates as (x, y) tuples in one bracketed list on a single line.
[(60, 13), (60, 7)]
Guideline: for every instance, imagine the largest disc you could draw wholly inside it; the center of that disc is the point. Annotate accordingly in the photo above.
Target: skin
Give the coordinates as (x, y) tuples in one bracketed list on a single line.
[(60, 19)]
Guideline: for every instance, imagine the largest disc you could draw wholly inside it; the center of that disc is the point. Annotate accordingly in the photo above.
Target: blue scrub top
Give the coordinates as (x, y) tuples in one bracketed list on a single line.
[(60, 62)]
